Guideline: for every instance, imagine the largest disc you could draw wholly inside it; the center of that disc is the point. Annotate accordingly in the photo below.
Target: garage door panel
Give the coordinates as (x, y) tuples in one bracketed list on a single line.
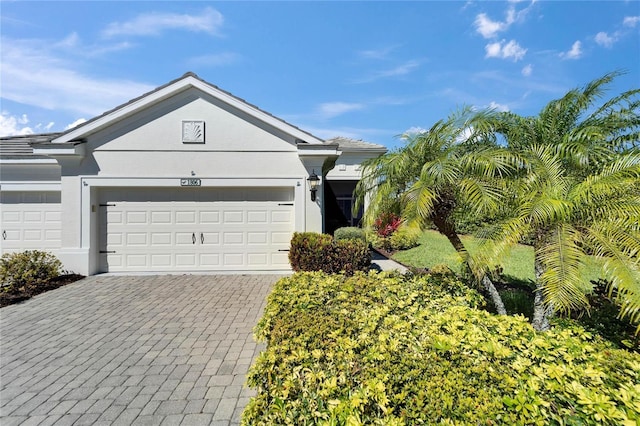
[(257, 217), (10, 217), (209, 217), (115, 261), (258, 259), (33, 235), (254, 238), (52, 217), (185, 238), (160, 218), (29, 221), (137, 238), (233, 238), (280, 259), (33, 216), (114, 217), (186, 217), (280, 238), (136, 261), (52, 235), (186, 259), (233, 217), (210, 238), (161, 260), (281, 216), (233, 259), (12, 235), (210, 260), (136, 217), (232, 234), (160, 239)]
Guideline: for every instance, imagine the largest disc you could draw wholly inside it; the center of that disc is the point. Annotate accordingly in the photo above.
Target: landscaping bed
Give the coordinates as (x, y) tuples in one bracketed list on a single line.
[(24, 293), (387, 349)]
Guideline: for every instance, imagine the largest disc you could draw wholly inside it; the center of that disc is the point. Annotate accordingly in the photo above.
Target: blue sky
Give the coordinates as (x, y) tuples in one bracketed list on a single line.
[(366, 70)]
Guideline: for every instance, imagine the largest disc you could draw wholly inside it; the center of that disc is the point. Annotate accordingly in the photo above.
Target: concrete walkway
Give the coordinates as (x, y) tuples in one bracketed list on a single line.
[(382, 263), (141, 350)]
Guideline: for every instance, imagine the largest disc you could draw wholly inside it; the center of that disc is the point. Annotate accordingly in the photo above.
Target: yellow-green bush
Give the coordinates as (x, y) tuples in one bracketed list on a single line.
[(383, 349), (30, 268)]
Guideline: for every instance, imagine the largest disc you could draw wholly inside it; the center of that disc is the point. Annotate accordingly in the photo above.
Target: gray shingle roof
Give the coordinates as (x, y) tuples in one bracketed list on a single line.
[(347, 144), (19, 147)]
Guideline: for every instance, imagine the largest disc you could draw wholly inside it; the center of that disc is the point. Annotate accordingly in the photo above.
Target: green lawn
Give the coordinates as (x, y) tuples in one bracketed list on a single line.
[(435, 249)]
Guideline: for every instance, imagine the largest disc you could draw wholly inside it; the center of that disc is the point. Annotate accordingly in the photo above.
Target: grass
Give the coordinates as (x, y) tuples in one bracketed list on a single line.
[(435, 249)]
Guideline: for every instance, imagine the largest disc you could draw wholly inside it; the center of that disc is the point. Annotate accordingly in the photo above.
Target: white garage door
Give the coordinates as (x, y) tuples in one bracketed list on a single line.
[(197, 230), (30, 220)]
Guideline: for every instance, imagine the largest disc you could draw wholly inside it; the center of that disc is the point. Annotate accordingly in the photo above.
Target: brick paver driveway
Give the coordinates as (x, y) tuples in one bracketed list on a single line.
[(157, 350)]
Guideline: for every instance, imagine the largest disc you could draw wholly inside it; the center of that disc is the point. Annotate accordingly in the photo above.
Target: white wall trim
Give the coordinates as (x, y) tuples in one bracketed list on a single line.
[(31, 186)]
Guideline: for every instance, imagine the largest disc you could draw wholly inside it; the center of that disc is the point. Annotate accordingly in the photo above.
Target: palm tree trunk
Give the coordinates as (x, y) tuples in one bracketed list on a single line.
[(541, 311), (448, 230)]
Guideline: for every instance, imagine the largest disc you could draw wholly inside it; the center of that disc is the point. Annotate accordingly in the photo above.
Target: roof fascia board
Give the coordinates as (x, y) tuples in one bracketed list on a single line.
[(318, 151), (183, 84)]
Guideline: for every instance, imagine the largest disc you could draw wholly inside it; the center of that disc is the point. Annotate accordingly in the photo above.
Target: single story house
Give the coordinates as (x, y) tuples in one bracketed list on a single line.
[(186, 178)]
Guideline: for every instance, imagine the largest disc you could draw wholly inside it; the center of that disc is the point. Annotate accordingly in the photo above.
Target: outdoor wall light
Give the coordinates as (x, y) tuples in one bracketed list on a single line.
[(313, 180)]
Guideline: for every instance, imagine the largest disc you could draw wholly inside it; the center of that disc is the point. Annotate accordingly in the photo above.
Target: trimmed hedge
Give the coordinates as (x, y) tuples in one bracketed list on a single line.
[(23, 270), (383, 349), (349, 233), (311, 251)]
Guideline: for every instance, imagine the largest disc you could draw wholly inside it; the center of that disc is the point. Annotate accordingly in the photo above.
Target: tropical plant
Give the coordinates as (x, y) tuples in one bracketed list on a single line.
[(450, 166), (577, 193)]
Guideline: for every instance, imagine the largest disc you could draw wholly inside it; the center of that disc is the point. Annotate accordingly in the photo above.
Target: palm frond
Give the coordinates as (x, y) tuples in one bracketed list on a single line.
[(562, 259)]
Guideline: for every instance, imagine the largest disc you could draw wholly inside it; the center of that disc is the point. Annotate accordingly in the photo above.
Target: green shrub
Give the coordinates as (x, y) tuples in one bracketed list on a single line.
[(311, 251), (348, 256), (349, 233), (19, 271), (403, 238), (381, 349)]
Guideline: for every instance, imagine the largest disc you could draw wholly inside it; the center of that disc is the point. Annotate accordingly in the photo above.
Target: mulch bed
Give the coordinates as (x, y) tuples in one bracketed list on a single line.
[(7, 298)]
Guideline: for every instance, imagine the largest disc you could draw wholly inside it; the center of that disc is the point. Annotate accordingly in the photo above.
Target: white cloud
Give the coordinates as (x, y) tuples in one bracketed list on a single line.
[(333, 109), (401, 70), (76, 123), (527, 70), (574, 53), (208, 21), (72, 40), (11, 125), (33, 74), (381, 53), (631, 21), (604, 39), (489, 28), (415, 130), (215, 59), (510, 50), (498, 107)]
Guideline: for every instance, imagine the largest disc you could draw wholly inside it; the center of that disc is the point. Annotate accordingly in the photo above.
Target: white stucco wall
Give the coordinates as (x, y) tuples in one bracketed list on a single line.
[(146, 150)]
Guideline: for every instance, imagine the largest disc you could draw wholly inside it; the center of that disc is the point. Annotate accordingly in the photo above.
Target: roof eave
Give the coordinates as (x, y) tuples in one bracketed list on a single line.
[(186, 82)]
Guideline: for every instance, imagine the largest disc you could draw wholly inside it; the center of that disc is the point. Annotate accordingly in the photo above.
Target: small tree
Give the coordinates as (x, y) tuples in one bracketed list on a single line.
[(576, 193), (436, 172)]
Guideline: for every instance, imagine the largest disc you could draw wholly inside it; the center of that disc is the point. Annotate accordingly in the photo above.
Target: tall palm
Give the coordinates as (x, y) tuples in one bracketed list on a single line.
[(577, 194), (435, 173)]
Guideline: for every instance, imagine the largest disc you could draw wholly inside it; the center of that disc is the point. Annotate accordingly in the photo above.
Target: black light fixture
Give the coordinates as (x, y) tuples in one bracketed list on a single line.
[(313, 180)]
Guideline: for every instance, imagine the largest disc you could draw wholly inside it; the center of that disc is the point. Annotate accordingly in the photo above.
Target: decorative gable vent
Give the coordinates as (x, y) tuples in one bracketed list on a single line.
[(193, 131)]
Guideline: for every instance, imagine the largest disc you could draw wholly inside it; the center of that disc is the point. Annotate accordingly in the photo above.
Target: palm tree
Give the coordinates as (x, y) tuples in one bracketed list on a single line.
[(577, 194), (435, 173)]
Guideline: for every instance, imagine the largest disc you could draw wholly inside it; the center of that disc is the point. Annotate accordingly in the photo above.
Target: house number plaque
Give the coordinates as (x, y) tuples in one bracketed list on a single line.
[(190, 182)]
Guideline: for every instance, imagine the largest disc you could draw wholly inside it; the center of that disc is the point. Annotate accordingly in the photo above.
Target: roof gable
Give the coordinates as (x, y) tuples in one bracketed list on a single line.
[(171, 89)]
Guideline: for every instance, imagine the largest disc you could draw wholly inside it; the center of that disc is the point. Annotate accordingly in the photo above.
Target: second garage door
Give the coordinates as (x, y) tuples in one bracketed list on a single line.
[(197, 230)]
